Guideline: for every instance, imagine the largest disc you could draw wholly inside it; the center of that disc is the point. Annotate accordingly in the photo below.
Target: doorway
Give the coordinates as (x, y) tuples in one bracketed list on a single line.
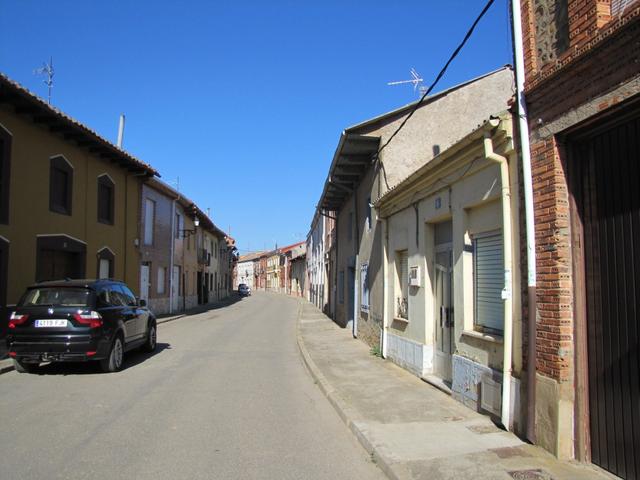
[(443, 300), (604, 169), (144, 281), (175, 288), (4, 269), (59, 257)]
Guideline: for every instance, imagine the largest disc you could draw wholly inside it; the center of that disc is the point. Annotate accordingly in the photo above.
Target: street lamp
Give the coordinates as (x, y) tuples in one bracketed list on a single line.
[(191, 231)]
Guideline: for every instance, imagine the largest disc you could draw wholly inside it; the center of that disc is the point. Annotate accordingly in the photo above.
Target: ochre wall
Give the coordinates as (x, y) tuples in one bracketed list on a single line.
[(29, 214)]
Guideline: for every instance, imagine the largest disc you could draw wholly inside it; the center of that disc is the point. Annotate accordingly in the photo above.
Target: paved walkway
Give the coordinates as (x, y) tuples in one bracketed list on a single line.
[(411, 429)]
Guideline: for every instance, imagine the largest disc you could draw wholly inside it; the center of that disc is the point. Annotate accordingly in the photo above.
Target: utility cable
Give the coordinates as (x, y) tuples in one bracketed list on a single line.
[(433, 84)]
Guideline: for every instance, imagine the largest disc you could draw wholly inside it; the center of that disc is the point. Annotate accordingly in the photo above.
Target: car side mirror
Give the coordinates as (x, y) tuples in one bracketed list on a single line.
[(142, 302)]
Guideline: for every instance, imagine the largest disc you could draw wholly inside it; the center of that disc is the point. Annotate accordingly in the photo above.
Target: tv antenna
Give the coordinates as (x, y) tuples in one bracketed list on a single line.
[(46, 69), (415, 80)]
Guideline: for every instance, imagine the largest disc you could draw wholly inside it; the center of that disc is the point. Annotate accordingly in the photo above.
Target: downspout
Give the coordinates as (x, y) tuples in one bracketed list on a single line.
[(385, 286), (356, 276), (506, 292), (523, 130), (171, 254)]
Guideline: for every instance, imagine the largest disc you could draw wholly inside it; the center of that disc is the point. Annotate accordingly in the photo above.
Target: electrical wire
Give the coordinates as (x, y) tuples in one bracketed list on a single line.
[(431, 87)]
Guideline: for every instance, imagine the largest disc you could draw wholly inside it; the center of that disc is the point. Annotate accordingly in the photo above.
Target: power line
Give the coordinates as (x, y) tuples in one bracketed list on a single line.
[(440, 75)]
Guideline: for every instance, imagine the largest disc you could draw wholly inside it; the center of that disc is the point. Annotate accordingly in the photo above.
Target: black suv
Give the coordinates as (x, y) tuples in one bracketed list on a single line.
[(79, 320)]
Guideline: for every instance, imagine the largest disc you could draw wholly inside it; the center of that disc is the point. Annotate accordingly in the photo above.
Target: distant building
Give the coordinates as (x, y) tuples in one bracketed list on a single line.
[(246, 271)]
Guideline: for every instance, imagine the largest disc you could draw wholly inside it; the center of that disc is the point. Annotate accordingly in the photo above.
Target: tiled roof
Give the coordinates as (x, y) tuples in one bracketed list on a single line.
[(27, 103)]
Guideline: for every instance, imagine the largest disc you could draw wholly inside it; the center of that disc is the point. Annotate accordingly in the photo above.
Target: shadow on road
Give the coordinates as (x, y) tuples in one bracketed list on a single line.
[(131, 360)]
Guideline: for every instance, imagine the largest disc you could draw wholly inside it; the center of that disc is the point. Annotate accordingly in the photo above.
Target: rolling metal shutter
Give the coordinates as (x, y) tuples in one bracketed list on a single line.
[(488, 276)]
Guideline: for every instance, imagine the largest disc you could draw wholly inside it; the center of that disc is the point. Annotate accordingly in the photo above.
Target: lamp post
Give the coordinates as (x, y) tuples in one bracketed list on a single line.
[(186, 233)]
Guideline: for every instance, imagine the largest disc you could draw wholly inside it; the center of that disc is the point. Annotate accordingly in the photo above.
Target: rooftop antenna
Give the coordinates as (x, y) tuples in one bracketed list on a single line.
[(415, 80), (175, 184), (46, 69)]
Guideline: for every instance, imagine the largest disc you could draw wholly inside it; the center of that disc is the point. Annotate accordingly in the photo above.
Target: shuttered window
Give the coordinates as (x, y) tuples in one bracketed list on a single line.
[(488, 281)]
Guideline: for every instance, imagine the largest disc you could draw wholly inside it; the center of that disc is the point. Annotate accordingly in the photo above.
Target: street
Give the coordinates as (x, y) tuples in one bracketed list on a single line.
[(225, 395)]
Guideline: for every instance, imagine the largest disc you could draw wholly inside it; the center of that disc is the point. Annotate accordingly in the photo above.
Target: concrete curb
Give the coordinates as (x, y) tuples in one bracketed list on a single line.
[(344, 410), (6, 366)]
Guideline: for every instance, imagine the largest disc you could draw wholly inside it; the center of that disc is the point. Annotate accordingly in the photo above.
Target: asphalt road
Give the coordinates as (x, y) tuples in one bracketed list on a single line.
[(225, 396)]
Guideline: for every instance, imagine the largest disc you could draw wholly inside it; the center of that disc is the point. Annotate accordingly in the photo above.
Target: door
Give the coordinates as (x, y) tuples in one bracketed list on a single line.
[(4, 267), (604, 169), (137, 315), (175, 287), (352, 294), (443, 295), (144, 282)]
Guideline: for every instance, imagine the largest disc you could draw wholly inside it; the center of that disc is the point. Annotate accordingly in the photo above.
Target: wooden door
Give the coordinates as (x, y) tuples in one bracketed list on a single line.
[(605, 172)]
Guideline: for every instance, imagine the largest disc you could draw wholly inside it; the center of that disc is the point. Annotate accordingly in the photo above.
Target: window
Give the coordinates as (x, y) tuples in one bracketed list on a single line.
[(5, 168), (368, 213), (364, 287), (149, 219), (129, 297), (178, 226), (488, 281), (60, 185), (105, 199), (341, 286), (402, 284), (162, 272)]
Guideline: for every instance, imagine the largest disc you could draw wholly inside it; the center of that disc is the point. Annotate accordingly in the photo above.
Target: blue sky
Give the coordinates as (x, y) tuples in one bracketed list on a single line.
[(243, 101)]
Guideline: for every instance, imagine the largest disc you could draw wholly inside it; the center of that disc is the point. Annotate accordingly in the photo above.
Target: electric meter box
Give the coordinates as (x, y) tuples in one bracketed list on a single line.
[(414, 276)]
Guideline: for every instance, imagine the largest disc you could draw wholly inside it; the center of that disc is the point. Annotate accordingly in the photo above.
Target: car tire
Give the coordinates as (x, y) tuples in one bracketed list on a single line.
[(152, 338), (114, 361), (24, 367)]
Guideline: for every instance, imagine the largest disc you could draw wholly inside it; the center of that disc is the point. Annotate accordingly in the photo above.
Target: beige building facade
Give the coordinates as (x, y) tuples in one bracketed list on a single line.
[(452, 280)]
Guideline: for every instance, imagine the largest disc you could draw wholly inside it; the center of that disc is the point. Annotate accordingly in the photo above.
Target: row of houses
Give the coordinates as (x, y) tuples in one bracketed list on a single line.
[(494, 252), (74, 205), (280, 270)]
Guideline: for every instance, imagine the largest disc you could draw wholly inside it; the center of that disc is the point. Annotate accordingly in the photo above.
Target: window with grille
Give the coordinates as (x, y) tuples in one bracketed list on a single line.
[(402, 284), (488, 282), (364, 287)]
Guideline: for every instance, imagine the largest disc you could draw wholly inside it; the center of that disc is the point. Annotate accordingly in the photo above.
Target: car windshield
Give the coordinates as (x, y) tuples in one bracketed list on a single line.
[(67, 297)]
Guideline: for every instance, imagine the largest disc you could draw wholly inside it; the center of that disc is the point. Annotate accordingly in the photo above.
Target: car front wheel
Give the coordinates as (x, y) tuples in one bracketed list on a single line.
[(113, 362), (152, 335)]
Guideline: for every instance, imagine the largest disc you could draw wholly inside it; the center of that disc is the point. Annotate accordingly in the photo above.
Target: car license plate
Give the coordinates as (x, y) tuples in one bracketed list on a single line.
[(51, 323)]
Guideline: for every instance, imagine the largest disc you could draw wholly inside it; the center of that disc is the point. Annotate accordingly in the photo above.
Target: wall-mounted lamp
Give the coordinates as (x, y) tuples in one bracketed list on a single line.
[(190, 231)]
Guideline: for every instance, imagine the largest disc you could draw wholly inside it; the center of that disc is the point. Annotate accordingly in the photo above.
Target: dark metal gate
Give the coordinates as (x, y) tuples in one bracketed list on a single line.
[(605, 170)]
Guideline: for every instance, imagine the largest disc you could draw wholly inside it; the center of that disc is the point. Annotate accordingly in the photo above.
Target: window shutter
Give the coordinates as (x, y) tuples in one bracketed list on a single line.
[(404, 273), (488, 269)]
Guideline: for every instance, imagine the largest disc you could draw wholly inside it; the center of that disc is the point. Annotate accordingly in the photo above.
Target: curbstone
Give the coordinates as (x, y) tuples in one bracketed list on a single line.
[(344, 411)]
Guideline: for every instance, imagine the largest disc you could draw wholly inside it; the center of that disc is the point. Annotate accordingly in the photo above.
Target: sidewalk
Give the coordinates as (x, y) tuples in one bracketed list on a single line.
[(411, 429)]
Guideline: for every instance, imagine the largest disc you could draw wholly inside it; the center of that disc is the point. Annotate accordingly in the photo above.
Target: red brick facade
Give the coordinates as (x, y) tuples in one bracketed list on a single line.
[(595, 67)]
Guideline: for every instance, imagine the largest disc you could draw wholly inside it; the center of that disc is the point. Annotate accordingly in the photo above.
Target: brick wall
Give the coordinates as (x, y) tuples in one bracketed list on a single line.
[(603, 54)]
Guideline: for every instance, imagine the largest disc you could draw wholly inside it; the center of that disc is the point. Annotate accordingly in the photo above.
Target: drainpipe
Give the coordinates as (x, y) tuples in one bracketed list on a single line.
[(506, 292), (171, 254), (523, 129), (385, 286)]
